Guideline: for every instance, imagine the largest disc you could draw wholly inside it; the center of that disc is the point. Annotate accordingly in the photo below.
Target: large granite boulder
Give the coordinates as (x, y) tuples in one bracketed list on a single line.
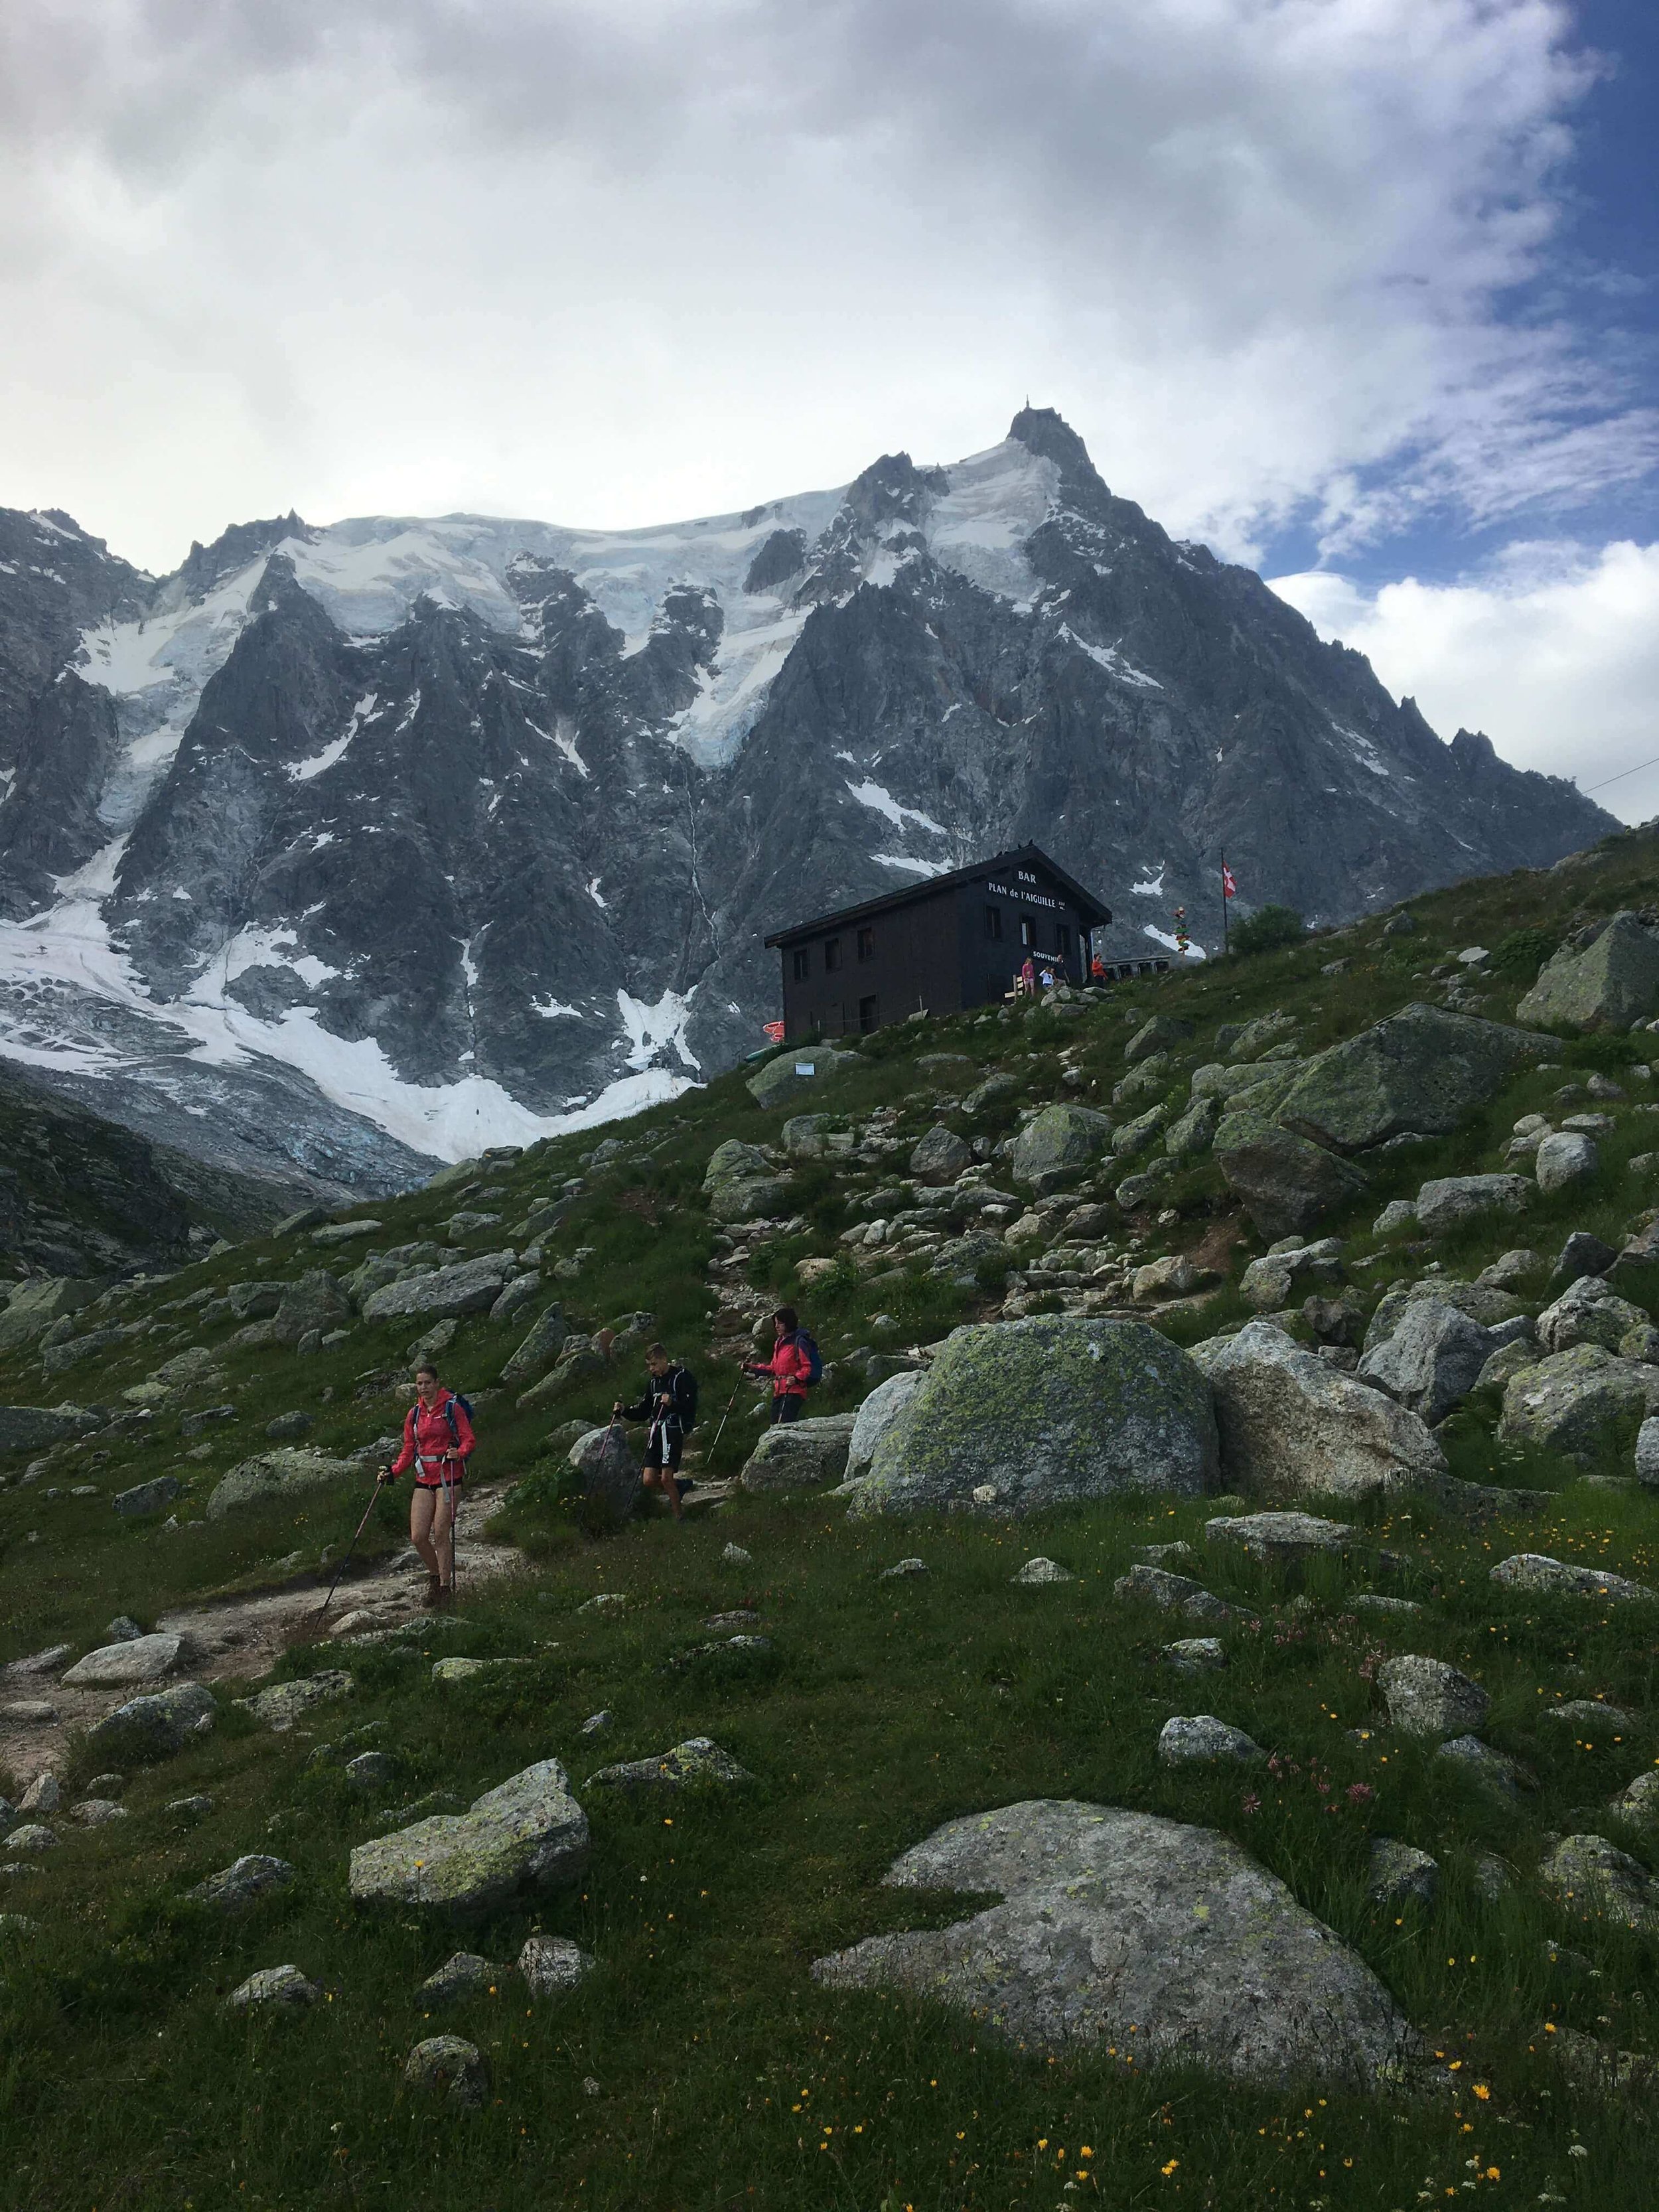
[(1427, 1698), (1537, 1571), (125, 1665), (1590, 1312), (1606, 986), (1449, 1201), (876, 1416), (1016, 1416), (1431, 1360), (1278, 1279), (1124, 1931), (1482, 1302), (288, 1471), (314, 1301), (1423, 1069), (35, 1303), (151, 1728), (940, 1156), (442, 1293), (1287, 1185), (741, 1184), (1057, 1140), (800, 1455), (527, 1833), (1576, 1403), (1565, 1157), (797, 1070), (540, 1347), (817, 1137), (37, 1428), (1597, 1882), (1293, 1426)]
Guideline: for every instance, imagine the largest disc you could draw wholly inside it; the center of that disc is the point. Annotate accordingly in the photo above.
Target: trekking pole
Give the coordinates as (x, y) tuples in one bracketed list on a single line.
[(350, 1549), (449, 1494), (725, 1416)]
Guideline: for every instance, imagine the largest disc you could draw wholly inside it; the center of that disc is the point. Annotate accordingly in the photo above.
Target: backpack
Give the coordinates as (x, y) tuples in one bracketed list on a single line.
[(685, 1401), (450, 1403), (814, 1357)]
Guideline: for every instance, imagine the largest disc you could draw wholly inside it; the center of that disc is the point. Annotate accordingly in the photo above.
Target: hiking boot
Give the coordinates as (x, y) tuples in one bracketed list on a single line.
[(446, 1596), (434, 1594)]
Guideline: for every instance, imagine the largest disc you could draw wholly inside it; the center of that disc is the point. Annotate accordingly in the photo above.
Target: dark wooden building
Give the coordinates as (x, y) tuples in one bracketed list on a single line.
[(936, 946)]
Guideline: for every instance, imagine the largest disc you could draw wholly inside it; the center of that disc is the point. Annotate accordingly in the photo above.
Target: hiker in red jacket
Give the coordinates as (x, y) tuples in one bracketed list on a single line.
[(789, 1366), (437, 1440)]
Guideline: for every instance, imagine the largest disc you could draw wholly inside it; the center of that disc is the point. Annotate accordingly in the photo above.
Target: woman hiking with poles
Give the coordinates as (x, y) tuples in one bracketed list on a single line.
[(437, 1440), (791, 1366)]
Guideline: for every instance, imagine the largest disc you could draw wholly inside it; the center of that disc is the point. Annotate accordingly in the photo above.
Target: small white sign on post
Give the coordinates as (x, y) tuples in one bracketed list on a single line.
[(805, 1068)]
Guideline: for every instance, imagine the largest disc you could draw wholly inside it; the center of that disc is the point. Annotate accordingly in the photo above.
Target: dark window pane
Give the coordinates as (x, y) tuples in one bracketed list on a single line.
[(803, 965), (993, 921), (866, 944), (867, 1015), (831, 953)]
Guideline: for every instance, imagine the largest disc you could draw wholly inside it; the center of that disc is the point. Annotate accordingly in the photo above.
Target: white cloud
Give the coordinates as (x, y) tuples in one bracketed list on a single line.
[(1554, 653), (607, 264)]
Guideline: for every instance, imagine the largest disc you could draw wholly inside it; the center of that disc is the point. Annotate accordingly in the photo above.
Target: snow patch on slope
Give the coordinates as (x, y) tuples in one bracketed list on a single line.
[(996, 500), (880, 801), (658, 1028)]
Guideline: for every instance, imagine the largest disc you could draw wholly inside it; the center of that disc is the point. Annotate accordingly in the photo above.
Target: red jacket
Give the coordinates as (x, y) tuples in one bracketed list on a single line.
[(428, 1434), (788, 1367)]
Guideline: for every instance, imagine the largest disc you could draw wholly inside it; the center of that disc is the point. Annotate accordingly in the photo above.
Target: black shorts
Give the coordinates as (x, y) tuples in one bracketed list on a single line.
[(665, 1448), (786, 1406)]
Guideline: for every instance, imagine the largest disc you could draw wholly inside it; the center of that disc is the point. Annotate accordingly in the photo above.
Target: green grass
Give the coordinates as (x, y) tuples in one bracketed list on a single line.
[(725, 2077)]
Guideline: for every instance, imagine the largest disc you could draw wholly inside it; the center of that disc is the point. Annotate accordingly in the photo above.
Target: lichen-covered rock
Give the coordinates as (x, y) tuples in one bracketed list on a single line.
[(278, 1707), (1449, 1201), (697, 1763), (1195, 1655), (1400, 1874), (1640, 1800), (464, 1974), (1278, 1278), (540, 1346), (816, 1136), (1590, 1311), (551, 1965), (1575, 1402), (155, 1727), (876, 1416), (1015, 1416), (1647, 1453), (147, 1497), (800, 1455), (1292, 1424), (797, 1069), (1039, 1573), (1427, 1698), (1433, 1359), (940, 1156), (1536, 1570), (1200, 1739), (1287, 1185), (242, 1883), (1171, 1593), (286, 1472), (1608, 985), (126, 1664), (471, 1286), (276, 1989), (1481, 1302), (1280, 1537), (1569, 1156), (1593, 1880), (527, 1833), (1057, 1140), (1482, 1764), (1424, 1068), (1161, 1033), (1130, 1138), (1193, 1131), (449, 2068), (1113, 1920), (37, 1428)]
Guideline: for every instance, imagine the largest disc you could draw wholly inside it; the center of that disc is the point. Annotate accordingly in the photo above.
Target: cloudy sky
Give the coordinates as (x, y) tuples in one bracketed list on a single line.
[(1364, 292)]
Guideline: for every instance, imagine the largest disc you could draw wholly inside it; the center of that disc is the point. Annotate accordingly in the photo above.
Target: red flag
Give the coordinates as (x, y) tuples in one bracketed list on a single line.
[(774, 1030), (1229, 888)]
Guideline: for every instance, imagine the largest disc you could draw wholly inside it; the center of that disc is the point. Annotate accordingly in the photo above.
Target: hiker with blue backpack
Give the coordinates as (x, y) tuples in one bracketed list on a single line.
[(669, 1402), (794, 1367), (437, 1442)]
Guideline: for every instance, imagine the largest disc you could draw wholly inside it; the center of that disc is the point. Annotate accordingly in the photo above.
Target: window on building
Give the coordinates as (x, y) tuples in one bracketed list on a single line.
[(1063, 939), (801, 963), (832, 954), (1027, 936), (866, 944), (869, 1018), (993, 921)]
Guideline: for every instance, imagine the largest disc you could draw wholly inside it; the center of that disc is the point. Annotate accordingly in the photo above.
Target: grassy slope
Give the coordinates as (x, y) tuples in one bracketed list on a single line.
[(724, 2077)]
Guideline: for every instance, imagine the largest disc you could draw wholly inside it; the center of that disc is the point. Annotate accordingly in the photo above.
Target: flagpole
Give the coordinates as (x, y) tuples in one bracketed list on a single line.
[(1224, 902)]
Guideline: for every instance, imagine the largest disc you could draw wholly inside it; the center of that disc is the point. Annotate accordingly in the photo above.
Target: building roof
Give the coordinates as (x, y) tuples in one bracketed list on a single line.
[(1022, 856)]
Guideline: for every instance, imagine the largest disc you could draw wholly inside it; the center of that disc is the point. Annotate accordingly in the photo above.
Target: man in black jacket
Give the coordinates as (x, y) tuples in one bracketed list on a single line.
[(669, 1404)]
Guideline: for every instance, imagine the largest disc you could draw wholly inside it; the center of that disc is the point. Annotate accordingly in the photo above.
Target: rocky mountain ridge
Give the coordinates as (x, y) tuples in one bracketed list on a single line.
[(342, 848)]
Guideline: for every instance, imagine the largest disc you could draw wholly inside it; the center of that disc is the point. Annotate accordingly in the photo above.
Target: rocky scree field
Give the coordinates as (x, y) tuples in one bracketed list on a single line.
[(1178, 1724)]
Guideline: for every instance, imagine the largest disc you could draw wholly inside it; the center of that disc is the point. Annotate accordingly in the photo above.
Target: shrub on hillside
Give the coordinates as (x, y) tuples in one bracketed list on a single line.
[(1522, 952), (1269, 929)]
